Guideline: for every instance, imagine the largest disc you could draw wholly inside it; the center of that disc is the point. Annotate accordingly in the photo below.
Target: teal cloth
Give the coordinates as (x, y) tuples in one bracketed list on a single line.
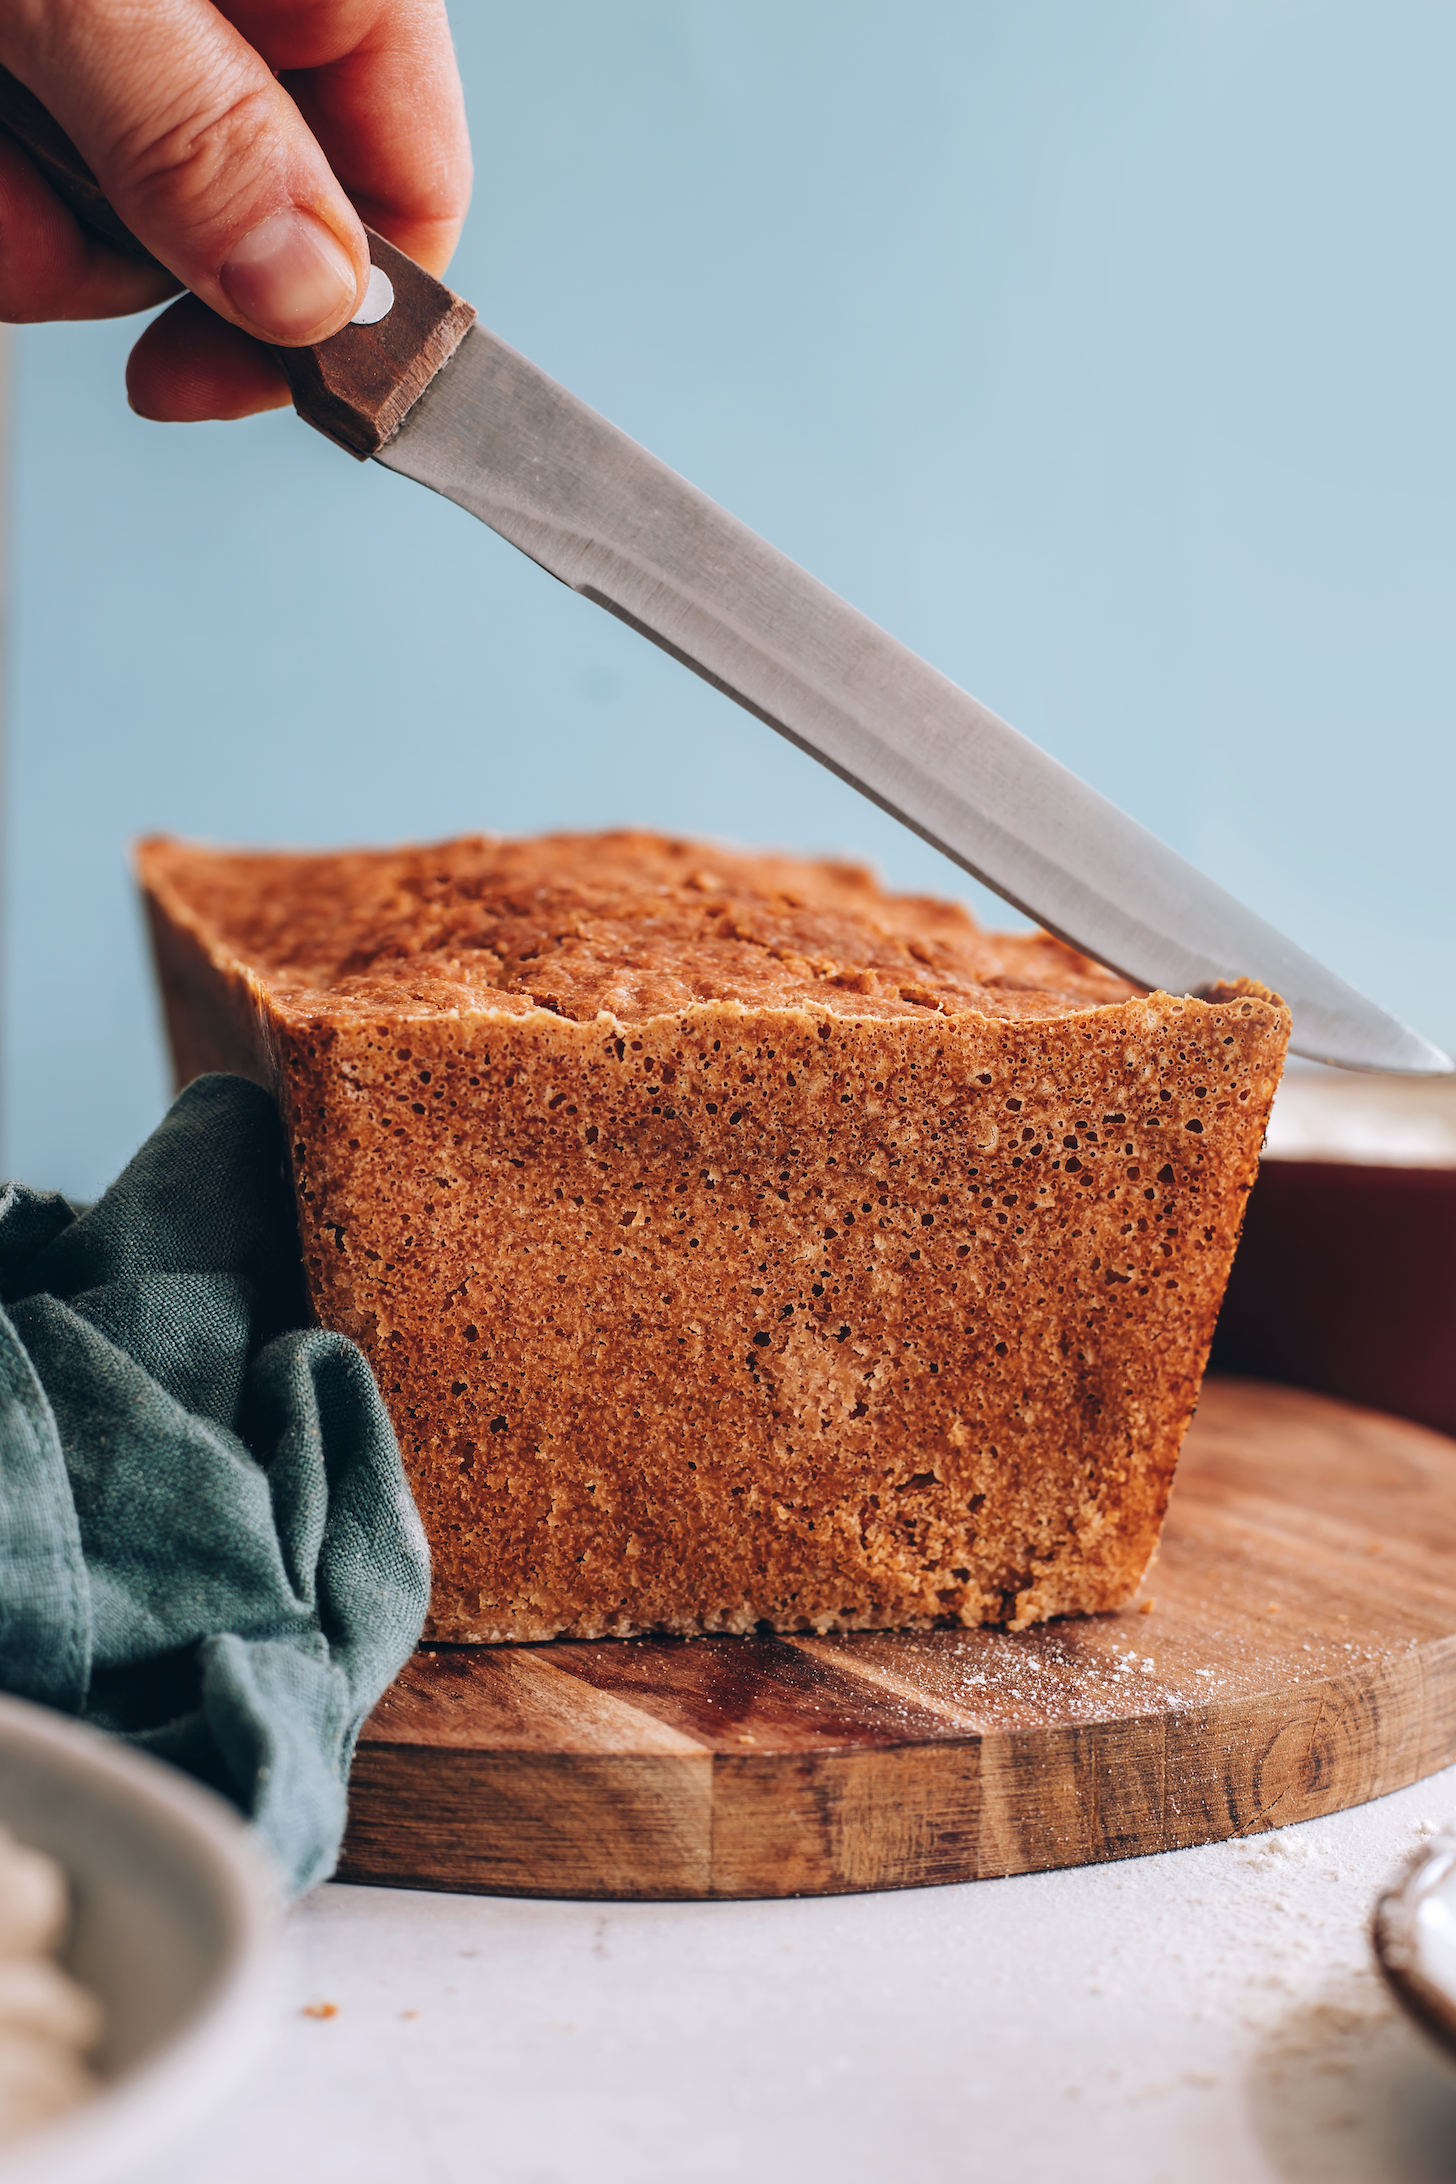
[(207, 1543)]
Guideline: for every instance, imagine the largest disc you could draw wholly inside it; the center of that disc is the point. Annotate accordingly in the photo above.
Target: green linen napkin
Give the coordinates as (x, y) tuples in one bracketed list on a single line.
[(207, 1543)]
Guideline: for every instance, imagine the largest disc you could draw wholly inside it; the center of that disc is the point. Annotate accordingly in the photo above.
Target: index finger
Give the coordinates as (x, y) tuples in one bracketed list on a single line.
[(377, 83)]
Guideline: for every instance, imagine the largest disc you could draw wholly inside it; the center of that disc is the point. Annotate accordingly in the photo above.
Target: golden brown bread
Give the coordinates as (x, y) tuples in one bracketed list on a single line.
[(735, 1244)]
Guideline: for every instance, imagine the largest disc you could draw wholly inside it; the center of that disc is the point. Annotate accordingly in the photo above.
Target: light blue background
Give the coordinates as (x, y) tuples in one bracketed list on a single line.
[(1103, 351)]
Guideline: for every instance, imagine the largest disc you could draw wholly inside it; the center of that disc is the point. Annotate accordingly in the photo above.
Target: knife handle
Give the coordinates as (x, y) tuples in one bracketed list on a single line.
[(358, 386)]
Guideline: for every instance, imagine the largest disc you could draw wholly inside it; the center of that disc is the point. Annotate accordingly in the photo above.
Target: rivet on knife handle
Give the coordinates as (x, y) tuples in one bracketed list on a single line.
[(360, 384)]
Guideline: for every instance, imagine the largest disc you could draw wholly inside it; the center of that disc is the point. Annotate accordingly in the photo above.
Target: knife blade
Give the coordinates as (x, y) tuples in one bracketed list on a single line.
[(494, 434), (425, 390)]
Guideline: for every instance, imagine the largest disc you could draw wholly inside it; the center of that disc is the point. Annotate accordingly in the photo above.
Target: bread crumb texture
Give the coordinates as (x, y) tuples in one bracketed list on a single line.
[(737, 1246)]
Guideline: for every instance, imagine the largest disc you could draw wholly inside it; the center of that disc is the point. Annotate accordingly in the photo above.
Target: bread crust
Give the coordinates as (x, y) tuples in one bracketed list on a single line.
[(735, 1316)]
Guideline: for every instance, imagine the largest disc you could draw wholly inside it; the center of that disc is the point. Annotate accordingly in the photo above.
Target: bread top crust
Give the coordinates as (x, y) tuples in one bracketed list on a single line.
[(628, 924)]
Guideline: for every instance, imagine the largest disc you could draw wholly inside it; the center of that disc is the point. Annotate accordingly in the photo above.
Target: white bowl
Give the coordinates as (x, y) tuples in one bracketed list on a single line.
[(175, 1915)]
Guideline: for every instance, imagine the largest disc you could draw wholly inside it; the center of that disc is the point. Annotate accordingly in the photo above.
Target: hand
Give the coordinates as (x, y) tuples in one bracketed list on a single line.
[(241, 144)]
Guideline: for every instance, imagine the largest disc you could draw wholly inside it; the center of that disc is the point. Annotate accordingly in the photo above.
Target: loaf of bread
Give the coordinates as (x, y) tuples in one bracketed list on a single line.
[(737, 1246)]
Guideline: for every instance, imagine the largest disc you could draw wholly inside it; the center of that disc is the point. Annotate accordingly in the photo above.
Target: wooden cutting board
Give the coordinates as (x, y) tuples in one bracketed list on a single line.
[(1293, 1652)]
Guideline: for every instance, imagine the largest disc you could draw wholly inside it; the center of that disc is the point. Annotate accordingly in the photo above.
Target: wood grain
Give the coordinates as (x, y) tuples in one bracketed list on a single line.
[(1299, 1656)]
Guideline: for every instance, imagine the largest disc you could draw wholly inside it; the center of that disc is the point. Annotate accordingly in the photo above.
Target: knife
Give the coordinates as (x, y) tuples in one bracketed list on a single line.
[(417, 384)]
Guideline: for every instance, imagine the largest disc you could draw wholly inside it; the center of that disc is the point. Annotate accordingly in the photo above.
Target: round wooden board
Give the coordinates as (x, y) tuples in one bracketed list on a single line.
[(1297, 1655)]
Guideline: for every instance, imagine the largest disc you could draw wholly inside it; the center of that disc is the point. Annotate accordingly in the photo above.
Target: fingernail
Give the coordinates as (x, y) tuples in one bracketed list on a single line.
[(289, 276)]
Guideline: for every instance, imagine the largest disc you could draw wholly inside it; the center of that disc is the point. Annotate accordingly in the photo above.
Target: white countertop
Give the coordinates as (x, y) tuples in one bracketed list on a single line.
[(1201, 2015)]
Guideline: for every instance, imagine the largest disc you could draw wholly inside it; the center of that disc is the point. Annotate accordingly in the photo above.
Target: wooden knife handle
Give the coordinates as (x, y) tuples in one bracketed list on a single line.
[(361, 384), (358, 386)]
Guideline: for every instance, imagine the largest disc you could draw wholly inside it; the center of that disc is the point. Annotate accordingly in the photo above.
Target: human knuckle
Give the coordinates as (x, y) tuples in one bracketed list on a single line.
[(200, 161)]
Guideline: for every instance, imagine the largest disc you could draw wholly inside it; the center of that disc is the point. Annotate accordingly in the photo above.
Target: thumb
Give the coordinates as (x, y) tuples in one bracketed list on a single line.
[(202, 153)]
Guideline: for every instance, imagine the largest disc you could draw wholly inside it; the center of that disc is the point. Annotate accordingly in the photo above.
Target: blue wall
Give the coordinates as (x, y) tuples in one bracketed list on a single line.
[(1101, 350)]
